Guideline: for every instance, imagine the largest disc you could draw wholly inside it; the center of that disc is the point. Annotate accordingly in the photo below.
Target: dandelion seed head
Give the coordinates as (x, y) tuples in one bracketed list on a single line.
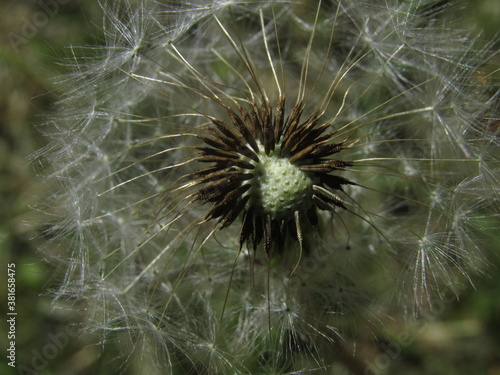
[(236, 184)]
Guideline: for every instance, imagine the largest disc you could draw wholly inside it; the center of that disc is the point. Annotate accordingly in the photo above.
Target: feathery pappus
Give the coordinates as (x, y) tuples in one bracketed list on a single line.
[(244, 185)]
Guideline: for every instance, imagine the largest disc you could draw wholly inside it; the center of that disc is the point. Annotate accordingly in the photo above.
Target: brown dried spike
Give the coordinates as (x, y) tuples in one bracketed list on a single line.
[(209, 151), (326, 166), (230, 144), (216, 143), (304, 153), (268, 127), (293, 120), (315, 134), (244, 131), (328, 197), (225, 162), (209, 174), (320, 137), (226, 130), (327, 149), (321, 204), (255, 118), (317, 150), (216, 190), (204, 172), (250, 125), (228, 219), (244, 150), (246, 226), (228, 203), (224, 173), (235, 145), (279, 119), (258, 231), (306, 134), (291, 124), (335, 182)]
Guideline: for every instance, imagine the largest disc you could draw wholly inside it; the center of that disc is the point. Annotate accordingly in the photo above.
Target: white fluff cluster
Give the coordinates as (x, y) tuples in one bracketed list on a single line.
[(412, 96)]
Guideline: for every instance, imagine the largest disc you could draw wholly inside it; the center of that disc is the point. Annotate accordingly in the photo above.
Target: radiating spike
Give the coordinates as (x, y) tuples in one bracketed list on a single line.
[(320, 203), (209, 151), (289, 128), (217, 189), (234, 141), (305, 134), (246, 134), (251, 126), (225, 162), (259, 128), (268, 127), (246, 226), (335, 182), (216, 143), (317, 150), (230, 144), (226, 130), (233, 214), (279, 119), (206, 171), (224, 173), (258, 231), (227, 203), (328, 197), (327, 149), (326, 166)]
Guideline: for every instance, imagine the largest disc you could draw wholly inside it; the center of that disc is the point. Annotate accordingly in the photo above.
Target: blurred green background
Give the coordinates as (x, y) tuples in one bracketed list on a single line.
[(464, 339)]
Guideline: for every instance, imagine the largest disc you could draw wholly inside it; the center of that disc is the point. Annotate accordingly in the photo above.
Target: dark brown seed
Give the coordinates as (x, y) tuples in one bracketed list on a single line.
[(246, 226), (325, 166), (335, 182), (227, 203), (225, 162), (258, 231), (279, 119), (209, 151), (328, 197), (305, 135), (218, 189), (216, 143), (223, 173), (227, 131), (228, 219), (245, 132)]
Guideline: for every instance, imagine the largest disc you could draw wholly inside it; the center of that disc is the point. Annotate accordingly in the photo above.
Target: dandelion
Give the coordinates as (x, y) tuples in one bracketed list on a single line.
[(240, 187)]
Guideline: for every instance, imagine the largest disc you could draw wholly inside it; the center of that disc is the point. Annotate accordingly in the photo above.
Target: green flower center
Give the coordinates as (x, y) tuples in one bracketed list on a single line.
[(280, 188)]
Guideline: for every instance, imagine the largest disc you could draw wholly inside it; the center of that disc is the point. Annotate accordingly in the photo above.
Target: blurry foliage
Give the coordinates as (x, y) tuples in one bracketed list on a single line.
[(464, 339)]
